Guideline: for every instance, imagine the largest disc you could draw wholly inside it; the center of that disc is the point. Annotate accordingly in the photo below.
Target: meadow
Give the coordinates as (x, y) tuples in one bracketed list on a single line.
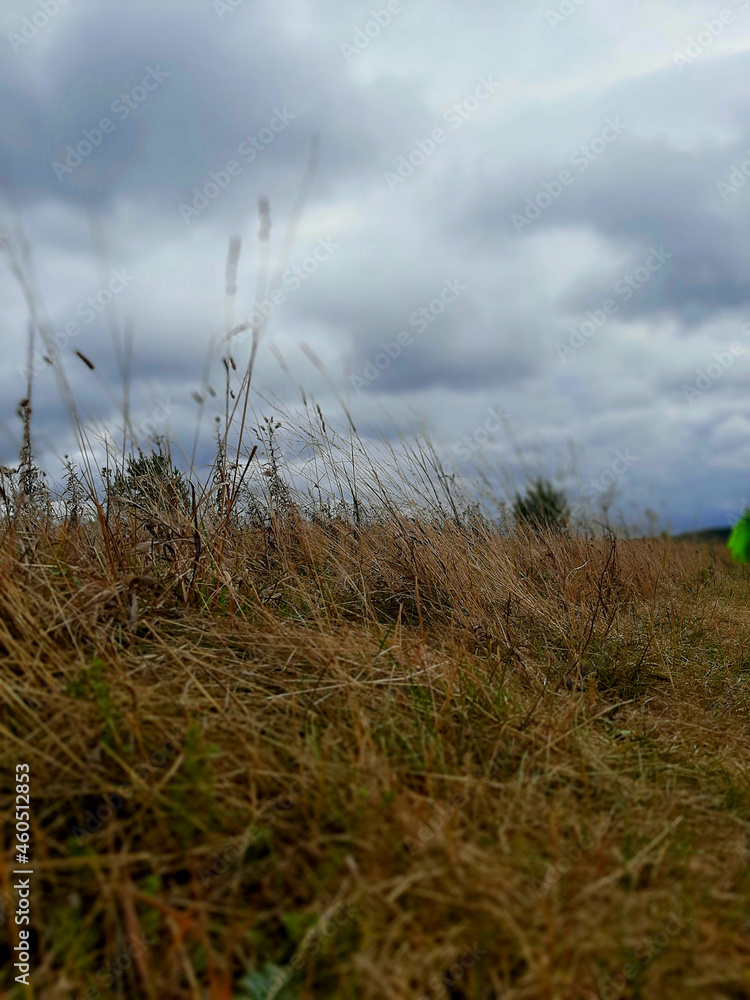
[(284, 746)]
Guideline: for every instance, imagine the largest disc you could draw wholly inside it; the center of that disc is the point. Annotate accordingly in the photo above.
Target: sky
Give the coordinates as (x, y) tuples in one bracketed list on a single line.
[(527, 227)]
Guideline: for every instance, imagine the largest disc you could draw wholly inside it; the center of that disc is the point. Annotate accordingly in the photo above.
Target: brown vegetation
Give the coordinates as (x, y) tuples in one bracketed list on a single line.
[(360, 748)]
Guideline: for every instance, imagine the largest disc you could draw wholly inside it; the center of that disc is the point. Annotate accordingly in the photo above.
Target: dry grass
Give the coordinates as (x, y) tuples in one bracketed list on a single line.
[(315, 725), (527, 751)]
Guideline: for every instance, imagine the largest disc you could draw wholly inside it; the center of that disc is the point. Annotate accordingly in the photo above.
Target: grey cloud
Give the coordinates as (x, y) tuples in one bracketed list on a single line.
[(655, 186)]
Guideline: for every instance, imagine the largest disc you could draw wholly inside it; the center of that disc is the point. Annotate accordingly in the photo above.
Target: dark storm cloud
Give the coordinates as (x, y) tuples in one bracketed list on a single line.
[(212, 99), (230, 71)]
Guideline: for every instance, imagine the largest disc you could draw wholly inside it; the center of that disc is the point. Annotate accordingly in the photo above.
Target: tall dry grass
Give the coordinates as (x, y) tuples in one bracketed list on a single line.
[(335, 751)]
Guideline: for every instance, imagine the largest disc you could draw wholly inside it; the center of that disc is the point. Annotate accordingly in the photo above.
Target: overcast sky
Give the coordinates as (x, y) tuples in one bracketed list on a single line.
[(538, 209)]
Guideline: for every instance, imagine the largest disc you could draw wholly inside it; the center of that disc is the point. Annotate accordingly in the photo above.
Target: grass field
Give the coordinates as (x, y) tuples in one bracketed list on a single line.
[(373, 754)]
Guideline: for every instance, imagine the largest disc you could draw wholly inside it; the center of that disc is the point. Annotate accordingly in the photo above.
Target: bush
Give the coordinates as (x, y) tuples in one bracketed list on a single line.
[(152, 482), (542, 507)]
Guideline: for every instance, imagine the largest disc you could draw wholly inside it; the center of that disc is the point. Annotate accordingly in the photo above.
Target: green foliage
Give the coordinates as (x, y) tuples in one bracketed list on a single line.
[(542, 506), (197, 765), (152, 482), (191, 796), (91, 685), (739, 541), (74, 937), (74, 493), (297, 923)]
